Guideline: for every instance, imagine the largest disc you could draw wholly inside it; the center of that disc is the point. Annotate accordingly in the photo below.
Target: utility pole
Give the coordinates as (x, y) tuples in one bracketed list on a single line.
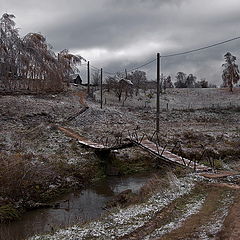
[(158, 92), (88, 78), (126, 72), (101, 89)]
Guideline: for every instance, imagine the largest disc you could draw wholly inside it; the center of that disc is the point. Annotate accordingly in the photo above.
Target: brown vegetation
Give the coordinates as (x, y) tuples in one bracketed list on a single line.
[(127, 197)]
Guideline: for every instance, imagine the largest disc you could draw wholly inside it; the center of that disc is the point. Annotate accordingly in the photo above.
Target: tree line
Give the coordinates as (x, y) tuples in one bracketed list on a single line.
[(128, 84)]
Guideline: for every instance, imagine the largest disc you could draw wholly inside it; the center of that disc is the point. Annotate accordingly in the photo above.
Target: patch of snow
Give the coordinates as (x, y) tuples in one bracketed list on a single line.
[(124, 221), (191, 208), (214, 225)]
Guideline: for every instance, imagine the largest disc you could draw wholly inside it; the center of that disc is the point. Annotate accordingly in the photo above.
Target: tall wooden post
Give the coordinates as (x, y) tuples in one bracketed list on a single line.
[(126, 73), (88, 78), (158, 92), (101, 88)]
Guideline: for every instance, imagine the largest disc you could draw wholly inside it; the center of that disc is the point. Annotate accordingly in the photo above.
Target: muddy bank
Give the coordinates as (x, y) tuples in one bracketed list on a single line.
[(28, 184), (76, 207), (120, 222), (189, 208)]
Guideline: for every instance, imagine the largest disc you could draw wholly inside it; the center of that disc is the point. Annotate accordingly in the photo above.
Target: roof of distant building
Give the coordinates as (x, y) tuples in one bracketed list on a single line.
[(74, 76), (126, 80)]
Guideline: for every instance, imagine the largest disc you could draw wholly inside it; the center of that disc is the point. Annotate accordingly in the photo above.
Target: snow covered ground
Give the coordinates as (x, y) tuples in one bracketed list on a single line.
[(179, 98)]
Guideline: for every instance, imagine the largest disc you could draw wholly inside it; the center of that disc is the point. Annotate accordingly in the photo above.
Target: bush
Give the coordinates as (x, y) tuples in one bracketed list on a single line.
[(21, 177), (8, 213)]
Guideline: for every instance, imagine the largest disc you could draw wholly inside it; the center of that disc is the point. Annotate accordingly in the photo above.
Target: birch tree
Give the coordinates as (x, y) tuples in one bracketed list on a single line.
[(230, 74)]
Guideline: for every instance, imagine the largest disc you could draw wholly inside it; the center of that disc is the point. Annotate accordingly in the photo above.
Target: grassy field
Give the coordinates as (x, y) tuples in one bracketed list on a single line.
[(200, 118), (181, 98)]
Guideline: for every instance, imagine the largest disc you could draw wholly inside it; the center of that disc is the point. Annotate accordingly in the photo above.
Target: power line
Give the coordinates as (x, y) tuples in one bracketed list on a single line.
[(132, 69), (110, 73), (98, 69), (170, 55), (83, 65), (94, 67), (143, 65), (201, 48), (95, 70)]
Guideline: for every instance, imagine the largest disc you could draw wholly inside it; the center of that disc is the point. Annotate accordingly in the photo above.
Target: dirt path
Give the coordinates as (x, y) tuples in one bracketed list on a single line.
[(202, 223), (82, 140), (82, 98), (231, 225), (194, 216)]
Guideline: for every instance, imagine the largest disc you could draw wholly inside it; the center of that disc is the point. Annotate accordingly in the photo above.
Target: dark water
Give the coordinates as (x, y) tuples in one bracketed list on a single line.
[(74, 208)]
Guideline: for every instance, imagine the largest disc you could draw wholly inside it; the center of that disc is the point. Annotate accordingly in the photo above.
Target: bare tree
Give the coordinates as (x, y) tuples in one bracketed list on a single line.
[(181, 80), (191, 81), (118, 89), (9, 45), (120, 86), (138, 79), (96, 77), (230, 74), (202, 83), (165, 82), (184, 81), (31, 58), (110, 83)]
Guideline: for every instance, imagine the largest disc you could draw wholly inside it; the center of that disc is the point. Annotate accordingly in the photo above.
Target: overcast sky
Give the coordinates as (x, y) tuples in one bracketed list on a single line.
[(119, 34)]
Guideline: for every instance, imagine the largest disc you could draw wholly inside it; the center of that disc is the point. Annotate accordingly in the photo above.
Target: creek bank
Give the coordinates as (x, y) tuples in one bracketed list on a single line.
[(47, 181), (189, 207), (74, 208), (122, 221)]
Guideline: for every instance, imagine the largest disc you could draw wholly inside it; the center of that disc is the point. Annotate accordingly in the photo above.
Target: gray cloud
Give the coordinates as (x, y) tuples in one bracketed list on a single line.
[(118, 34)]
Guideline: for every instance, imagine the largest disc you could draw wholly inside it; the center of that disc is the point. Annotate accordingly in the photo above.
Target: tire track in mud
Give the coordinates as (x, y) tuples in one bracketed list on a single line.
[(187, 217), (231, 225), (208, 221), (166, 215)]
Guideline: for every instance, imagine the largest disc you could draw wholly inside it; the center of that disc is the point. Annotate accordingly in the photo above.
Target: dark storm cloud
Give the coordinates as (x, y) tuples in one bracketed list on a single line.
[(118, 34), (113, 25)]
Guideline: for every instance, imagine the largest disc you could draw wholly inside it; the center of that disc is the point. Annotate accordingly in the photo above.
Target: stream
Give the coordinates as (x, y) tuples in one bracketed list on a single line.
[(77, 207)]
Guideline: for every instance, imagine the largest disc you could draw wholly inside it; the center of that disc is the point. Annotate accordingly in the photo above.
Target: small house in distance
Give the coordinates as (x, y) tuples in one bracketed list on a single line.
[(75, 78), (125, 82)]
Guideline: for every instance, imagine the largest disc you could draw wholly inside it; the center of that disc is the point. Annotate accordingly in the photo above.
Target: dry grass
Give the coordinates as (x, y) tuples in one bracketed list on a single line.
[(21, 177), (153, 185)]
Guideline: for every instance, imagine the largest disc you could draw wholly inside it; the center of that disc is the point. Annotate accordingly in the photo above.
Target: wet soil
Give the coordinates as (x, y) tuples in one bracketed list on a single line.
[(199, 225), (231, 225)]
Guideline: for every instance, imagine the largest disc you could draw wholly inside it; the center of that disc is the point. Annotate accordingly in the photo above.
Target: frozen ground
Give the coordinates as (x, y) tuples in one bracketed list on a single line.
[(181, 98), (27, 127)]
